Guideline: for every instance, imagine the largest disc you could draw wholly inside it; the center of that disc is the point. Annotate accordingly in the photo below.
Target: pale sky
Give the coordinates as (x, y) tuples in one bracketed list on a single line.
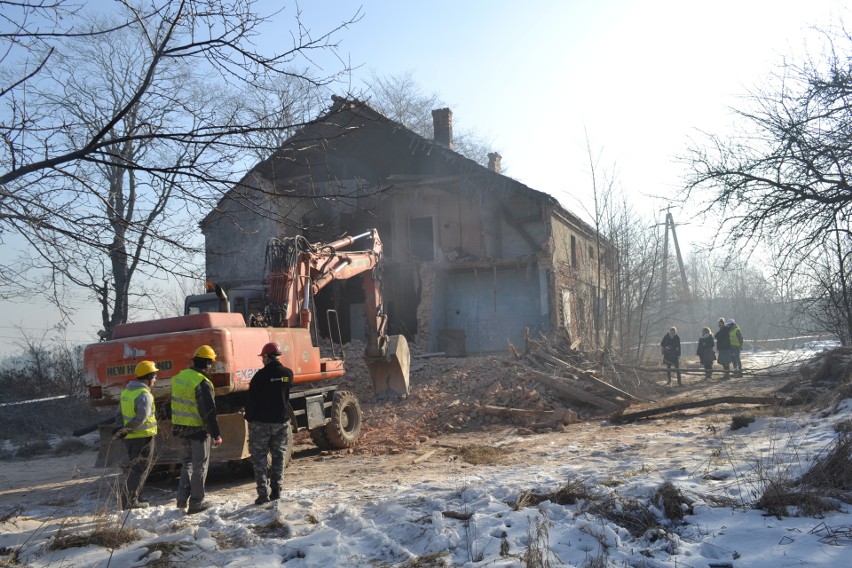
[(535, 77)]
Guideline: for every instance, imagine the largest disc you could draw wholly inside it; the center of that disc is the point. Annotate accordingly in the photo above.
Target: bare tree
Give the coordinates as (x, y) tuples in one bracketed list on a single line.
[(281, 105), (118, 132), (402, 99), (785, 177)]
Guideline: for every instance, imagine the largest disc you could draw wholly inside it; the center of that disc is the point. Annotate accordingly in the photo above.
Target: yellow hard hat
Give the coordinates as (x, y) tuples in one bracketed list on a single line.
[(145, 368), (205, 352)]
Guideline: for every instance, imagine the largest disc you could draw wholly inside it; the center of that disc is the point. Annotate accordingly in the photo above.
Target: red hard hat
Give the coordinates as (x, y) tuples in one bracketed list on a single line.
[(270, 349)]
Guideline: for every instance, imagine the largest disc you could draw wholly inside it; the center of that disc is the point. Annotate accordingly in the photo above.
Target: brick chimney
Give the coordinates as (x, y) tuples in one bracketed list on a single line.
[(494, 162), (442, 121)]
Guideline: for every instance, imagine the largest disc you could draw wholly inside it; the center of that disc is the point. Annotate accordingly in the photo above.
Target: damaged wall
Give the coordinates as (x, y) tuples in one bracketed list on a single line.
[(575, 277)]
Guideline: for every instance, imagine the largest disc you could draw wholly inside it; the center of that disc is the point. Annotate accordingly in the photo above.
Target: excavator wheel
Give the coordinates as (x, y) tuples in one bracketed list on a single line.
[(320, 438), (345, 427)]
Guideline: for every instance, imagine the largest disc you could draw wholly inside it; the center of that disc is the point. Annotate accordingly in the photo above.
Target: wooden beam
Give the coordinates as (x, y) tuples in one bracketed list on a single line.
[(762, 400), (575, 393), (585, 376)]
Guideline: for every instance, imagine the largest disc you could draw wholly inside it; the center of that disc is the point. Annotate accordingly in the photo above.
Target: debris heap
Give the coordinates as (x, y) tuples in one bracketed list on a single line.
[(545, 387)]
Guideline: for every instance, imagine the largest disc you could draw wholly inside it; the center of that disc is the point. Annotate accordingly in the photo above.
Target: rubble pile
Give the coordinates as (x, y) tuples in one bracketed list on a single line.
[(542, 388)]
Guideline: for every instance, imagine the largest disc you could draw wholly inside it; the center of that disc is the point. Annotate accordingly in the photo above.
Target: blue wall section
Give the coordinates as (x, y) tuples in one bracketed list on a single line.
[(491, 306)]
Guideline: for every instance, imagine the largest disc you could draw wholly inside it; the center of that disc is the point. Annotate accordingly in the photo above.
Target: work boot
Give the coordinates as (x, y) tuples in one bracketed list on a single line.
[(181, 504), (198, 507), (275, 494), (261, 499)]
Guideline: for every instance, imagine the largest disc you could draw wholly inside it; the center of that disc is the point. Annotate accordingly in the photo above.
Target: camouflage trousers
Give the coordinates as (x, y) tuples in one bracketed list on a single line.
[(268, 439)]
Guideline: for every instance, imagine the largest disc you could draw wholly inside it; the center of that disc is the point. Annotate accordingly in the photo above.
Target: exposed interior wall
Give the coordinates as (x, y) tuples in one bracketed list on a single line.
[(425, 306), (575, 279), (488, 307)]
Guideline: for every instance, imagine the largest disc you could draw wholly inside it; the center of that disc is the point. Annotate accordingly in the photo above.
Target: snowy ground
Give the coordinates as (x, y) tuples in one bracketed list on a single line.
[(430, 508)]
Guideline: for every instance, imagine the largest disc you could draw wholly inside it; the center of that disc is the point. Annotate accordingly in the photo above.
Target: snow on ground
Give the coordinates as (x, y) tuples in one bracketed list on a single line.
[(372, 522)]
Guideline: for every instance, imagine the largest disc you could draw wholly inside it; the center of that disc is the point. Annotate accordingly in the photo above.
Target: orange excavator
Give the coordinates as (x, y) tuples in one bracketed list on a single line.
[(278, 311)]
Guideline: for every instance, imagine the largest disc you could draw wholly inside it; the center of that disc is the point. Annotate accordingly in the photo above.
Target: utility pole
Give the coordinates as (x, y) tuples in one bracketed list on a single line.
[(664, 285)]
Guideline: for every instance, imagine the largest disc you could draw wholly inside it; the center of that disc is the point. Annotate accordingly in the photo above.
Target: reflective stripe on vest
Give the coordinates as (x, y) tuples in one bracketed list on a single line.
[(184, 405), (735, 339), (128, 413)]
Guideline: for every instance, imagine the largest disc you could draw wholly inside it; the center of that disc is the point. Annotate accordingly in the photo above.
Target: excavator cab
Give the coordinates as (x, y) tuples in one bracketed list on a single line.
[(390, 371)]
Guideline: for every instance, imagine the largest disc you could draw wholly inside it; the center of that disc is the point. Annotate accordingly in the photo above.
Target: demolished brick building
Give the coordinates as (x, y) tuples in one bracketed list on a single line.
[(472, 258)]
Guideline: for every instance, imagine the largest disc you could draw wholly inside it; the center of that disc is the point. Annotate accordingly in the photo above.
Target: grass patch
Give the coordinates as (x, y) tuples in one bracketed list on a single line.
[(568, 494), (833, 470), (481, 455), (434, 560), (741, 421), (599, 561), (276, 528), (817, 491), (634, 516), (777, 499), (106, 537), (672, 502), (537, 554), (163, 554)]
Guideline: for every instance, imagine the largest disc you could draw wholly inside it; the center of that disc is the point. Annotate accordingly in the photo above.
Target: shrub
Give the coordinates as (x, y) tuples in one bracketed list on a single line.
[(741, 421)]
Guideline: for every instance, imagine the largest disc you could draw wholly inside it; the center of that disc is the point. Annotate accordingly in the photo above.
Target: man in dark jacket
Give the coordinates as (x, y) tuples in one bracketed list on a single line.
[(194, 423), (723, 344), (671, 353), (268, 416)]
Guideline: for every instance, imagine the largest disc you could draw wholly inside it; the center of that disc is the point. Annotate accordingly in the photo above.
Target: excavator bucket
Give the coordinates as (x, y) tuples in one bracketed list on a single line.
[(390, 373)]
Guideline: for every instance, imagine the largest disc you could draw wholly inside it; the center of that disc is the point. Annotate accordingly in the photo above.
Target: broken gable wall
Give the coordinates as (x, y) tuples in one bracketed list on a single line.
[(575, 274), (237, 232)]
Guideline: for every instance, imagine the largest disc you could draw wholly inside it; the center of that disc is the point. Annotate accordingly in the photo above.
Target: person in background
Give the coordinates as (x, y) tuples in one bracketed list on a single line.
[(736, 337), (706, 353), (268, 416), (137, 426), (194, 422), (723, 344), (671, 353)]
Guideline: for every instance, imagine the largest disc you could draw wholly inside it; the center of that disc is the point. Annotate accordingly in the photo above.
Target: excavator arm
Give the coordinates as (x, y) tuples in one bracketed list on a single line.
[(296, 270)]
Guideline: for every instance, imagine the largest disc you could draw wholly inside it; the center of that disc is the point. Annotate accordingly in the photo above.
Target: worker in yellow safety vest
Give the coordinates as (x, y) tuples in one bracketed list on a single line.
[(194, 424), (736, 346), (137, 426)]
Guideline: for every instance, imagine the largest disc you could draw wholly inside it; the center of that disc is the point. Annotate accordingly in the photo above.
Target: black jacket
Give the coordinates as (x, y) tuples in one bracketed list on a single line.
[(269, 394), (723, 338), (671, 348), (705, 348)]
